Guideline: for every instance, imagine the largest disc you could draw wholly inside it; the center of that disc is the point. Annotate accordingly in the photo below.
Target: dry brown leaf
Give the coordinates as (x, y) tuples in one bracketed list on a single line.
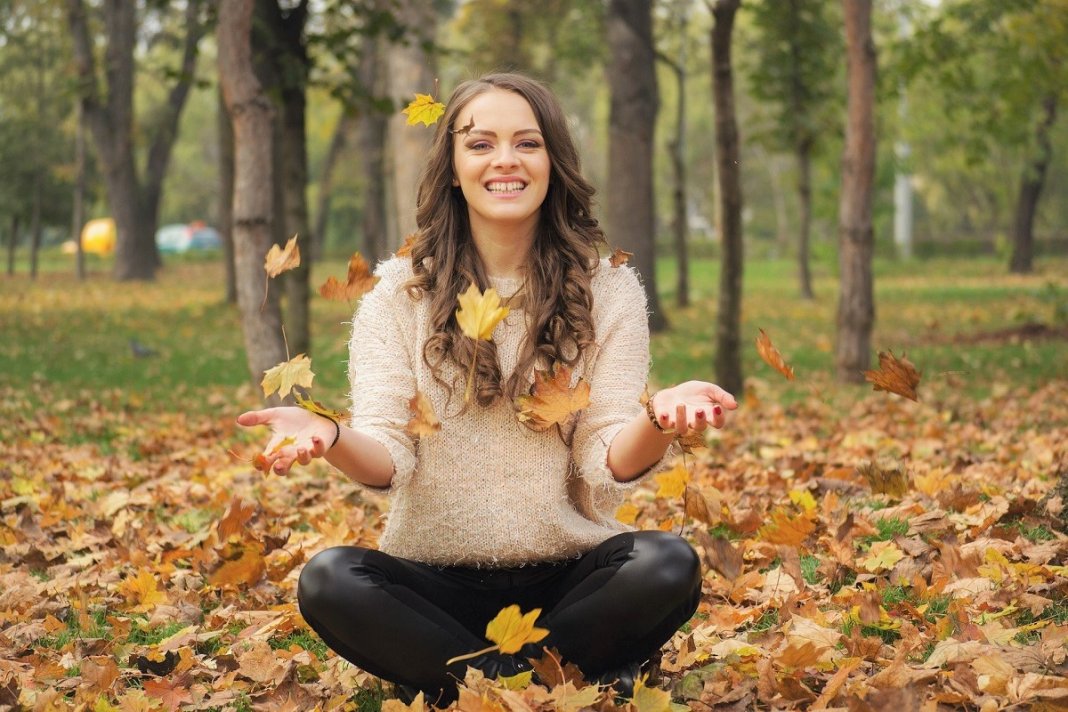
[(243, 571), (786, 529), (235, 519), (358, 282), (552, 400), (424, 422), (619, 257), (279, 259), (891, 480), (772, 357), (172, 692), (895, 375)]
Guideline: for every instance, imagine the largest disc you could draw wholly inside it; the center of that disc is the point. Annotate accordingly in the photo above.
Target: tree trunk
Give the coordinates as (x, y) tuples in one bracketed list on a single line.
[(371, 141), (344, 126), (677, 149), (77, 218), (804, 200), (1034, 179), (728, 166), (35, 222), (111, 122), (12, 243), (253, 218), (226, 202), (856, 304), (635, 102), (411, 69)]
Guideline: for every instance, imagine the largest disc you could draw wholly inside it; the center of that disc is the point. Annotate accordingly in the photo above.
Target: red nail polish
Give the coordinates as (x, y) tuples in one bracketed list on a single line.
[(717, 410)]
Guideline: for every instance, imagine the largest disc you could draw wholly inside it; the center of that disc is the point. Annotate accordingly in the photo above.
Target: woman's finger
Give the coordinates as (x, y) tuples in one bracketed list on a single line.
[(719, 416), (700, 420), (303, 456), (718, 395), (255, 417), (318, 448), (680, 419)]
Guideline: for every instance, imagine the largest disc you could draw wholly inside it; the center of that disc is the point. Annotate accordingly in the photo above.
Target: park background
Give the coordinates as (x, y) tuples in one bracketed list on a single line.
[(861, 548)]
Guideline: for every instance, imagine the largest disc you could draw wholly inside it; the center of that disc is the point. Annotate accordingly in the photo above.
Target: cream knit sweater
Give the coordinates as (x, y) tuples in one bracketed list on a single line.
[(485, 490)]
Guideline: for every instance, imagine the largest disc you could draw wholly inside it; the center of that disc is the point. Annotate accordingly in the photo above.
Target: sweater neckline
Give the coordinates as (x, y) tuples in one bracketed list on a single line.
[(505, 286)]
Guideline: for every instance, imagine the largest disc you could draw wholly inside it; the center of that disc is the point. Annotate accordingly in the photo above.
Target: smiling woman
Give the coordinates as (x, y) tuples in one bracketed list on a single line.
[(496, 508)]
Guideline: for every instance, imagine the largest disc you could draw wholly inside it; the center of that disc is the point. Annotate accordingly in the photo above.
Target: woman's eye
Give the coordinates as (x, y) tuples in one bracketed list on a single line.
[(530, 144), (479, 146)]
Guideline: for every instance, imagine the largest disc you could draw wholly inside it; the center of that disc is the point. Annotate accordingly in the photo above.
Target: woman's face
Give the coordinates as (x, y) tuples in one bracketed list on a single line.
[(501, 163)]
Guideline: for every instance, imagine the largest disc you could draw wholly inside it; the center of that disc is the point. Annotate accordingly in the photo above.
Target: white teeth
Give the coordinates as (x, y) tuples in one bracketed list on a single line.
[(505, 187)]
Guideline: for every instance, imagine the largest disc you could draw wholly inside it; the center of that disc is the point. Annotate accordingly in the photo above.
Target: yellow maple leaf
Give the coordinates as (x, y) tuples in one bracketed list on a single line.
[(650, 699), (895, 375), (424, 109), (883, 555), (141, 590), (316, 407), (772, 357), (673, 482), (417, 705), (424, 422), (552, 400), (803, 499), (511, 629), (479, 313), (279, 259), (358, 281), (627, 513), (477, 316), (283, 377)]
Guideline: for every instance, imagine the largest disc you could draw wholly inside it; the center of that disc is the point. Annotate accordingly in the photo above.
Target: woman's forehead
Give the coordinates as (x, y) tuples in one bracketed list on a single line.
[(496, 112)]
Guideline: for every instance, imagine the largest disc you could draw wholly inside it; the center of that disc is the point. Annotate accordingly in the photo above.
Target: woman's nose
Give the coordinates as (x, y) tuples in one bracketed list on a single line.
[(505, 156)]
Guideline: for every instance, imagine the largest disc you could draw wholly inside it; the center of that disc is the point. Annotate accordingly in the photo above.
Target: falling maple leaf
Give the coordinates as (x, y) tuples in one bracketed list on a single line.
[(479, 313), (619, 257), (424, 422), (424, 109), (511, 629), (477, 316), (406, 248), (696, 506), (282, 259), (552, 399), (895, 375), (772, 357), (142, 591), (283, 377), (891, 480), (672, 484), (358, 282), (236, 519)]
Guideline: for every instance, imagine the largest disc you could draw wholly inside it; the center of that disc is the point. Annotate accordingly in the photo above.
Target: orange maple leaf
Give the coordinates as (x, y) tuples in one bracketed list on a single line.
[(424, 422), (619, 257), (244, 571), (294, 372), (786, 530), (235, 519), (772, 357), (895, 375), (172, 692), (673, 482), (406, 248), (552, 399), (358, 282)]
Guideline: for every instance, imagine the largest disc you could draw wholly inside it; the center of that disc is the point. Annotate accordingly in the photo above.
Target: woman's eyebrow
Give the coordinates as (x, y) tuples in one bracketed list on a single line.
[(486, 132)]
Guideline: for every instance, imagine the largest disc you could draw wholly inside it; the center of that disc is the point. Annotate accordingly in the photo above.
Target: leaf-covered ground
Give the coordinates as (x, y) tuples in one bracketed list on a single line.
[(861, 551), (894, 553)]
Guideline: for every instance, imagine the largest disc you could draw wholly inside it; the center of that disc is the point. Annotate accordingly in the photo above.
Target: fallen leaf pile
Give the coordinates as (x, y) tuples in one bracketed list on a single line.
[(894, 555)]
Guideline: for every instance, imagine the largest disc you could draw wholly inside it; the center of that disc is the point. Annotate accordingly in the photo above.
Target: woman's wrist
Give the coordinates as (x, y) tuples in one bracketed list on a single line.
[(337, 430)]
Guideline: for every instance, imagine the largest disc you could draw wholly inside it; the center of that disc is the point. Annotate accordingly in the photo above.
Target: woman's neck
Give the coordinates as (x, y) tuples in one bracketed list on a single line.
[(503, 250)]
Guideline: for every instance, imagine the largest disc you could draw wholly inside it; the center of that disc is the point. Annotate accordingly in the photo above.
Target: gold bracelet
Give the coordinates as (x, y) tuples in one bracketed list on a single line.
[(652, 414)]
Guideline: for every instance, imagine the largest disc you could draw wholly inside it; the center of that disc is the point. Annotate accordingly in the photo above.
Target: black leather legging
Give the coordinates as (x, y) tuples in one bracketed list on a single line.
[(401, 620)]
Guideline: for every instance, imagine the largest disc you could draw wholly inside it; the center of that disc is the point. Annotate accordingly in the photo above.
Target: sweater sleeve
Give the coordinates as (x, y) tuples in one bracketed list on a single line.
[(618, 378), (381, 373)]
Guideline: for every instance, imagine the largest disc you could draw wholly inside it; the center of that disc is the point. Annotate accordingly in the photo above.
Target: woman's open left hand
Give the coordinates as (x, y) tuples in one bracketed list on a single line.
[(297, 435), (692, 406)]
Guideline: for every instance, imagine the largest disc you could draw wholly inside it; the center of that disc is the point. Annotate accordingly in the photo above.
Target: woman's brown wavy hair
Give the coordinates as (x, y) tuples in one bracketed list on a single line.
[(556, 293)]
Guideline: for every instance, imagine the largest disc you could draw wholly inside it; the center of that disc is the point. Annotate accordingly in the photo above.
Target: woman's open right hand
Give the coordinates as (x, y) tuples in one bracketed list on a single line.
[(297, 435)]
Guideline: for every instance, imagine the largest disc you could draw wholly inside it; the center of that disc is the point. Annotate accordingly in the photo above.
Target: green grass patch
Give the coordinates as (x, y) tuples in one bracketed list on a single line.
[(809, 569), (98, 628), (304, 640), (888, 528), (153, 634), (369, 699), (768, 620), (870, 631)]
